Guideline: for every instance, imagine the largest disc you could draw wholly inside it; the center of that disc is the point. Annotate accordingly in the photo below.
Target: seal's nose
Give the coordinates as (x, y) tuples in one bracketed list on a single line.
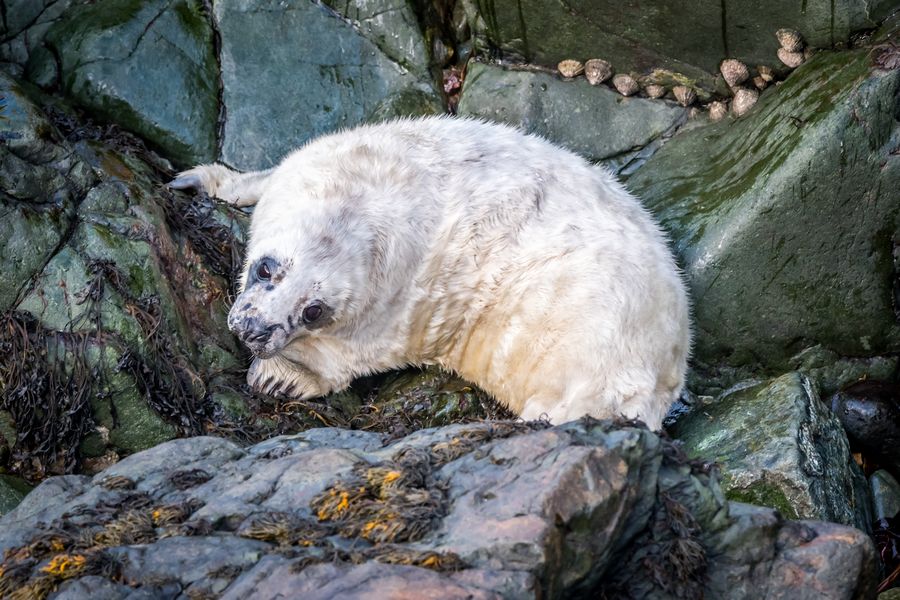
[(252, 330)]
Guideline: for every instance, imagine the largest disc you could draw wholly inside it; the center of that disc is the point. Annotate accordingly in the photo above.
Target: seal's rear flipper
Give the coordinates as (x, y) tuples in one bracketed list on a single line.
[(237, 189)]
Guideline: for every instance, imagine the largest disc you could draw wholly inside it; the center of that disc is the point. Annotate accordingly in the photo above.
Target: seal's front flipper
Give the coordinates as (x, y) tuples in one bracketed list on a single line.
[(278, 376), (237, 189)]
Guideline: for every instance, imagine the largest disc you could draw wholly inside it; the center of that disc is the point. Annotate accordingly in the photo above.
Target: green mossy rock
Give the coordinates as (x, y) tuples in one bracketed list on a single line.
[(780, 446), (148, 66), (785, 221)]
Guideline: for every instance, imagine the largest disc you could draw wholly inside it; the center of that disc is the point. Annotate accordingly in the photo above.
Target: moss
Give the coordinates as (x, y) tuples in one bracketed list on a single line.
[(762, 494)]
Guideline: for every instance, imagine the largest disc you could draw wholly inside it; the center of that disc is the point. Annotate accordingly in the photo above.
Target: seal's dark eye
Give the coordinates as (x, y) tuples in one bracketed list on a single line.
[(262, 271), (312, 313)]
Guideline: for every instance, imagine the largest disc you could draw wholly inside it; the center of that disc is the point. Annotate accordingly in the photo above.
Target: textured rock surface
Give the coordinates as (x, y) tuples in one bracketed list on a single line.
[(292, 71), (12, 490), (785, 219), (596, 122), (147, 66), (478, 511), (95, 332), (780, 446), (689, 38), (885, 495)]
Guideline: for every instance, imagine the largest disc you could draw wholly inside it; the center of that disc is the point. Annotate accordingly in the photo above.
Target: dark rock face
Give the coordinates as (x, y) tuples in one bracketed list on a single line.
[(487, 510), (687, 38)]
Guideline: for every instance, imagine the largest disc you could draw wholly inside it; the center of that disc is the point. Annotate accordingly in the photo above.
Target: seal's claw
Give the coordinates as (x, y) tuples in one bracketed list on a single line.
[(186, 181)]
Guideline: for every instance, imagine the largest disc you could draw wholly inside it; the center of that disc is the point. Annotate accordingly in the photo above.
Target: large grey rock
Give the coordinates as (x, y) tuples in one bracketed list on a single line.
[(489, 510), (691, 38), (147, 66), (293, 71), (596, 122), (780, 446), (785, 221)]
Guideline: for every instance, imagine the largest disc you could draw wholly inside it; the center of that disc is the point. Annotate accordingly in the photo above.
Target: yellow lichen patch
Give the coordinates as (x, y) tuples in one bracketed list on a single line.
[(392, 476), (57, 545), (65, 566), (432, 562)]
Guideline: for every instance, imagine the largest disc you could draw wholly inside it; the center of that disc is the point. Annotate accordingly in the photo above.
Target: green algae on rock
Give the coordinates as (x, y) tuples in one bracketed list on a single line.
[(780, 446), (785, 220)]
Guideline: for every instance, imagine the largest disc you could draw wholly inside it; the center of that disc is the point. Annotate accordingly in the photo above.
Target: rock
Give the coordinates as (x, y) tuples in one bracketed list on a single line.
[(113, 315), (593, 121), (149, 67), (831, 372), (732, 193), (870, 414), (24, 28), (780, 446), (12, 490), (356, 61), (689, 39), (502, 509), (885, 495)]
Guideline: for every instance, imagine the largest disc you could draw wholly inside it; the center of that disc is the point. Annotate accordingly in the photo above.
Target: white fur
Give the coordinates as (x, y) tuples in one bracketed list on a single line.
[(469, 245)]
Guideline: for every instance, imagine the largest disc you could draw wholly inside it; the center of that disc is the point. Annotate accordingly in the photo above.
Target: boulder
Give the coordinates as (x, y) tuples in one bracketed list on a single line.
[(501, 509), (293, 71), (780, 446), (596, 122), (786, 220), (147, 66)]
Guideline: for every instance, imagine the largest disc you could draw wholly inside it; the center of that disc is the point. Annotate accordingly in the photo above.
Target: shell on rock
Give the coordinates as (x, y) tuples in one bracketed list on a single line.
[(684, 95), (597, 70), (760, 82), (766, 73), (744, 99), (625, 85), (570, 68), (654, 90), (790, 39), (717, 111), (734, 71), (790, 59)]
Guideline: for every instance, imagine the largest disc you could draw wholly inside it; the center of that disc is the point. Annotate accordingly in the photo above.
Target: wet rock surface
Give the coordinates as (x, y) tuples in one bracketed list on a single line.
[(780, 446), (487, 510), (819, 150)]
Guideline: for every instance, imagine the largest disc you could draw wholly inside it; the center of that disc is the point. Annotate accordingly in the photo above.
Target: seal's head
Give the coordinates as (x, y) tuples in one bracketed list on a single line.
[(301, 277)]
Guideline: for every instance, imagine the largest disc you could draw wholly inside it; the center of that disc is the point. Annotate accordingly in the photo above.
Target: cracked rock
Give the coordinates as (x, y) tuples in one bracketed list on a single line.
[(593, 121), (320, 69)]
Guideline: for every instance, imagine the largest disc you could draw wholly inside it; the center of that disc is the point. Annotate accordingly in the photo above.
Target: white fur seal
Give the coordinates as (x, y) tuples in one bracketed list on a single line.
[(470, 245)]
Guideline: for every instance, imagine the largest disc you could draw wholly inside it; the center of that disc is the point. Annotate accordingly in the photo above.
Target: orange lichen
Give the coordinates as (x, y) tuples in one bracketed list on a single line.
[(65, 565)]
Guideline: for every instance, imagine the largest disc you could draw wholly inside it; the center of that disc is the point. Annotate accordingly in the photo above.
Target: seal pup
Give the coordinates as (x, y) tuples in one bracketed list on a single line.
[(470, 245)]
